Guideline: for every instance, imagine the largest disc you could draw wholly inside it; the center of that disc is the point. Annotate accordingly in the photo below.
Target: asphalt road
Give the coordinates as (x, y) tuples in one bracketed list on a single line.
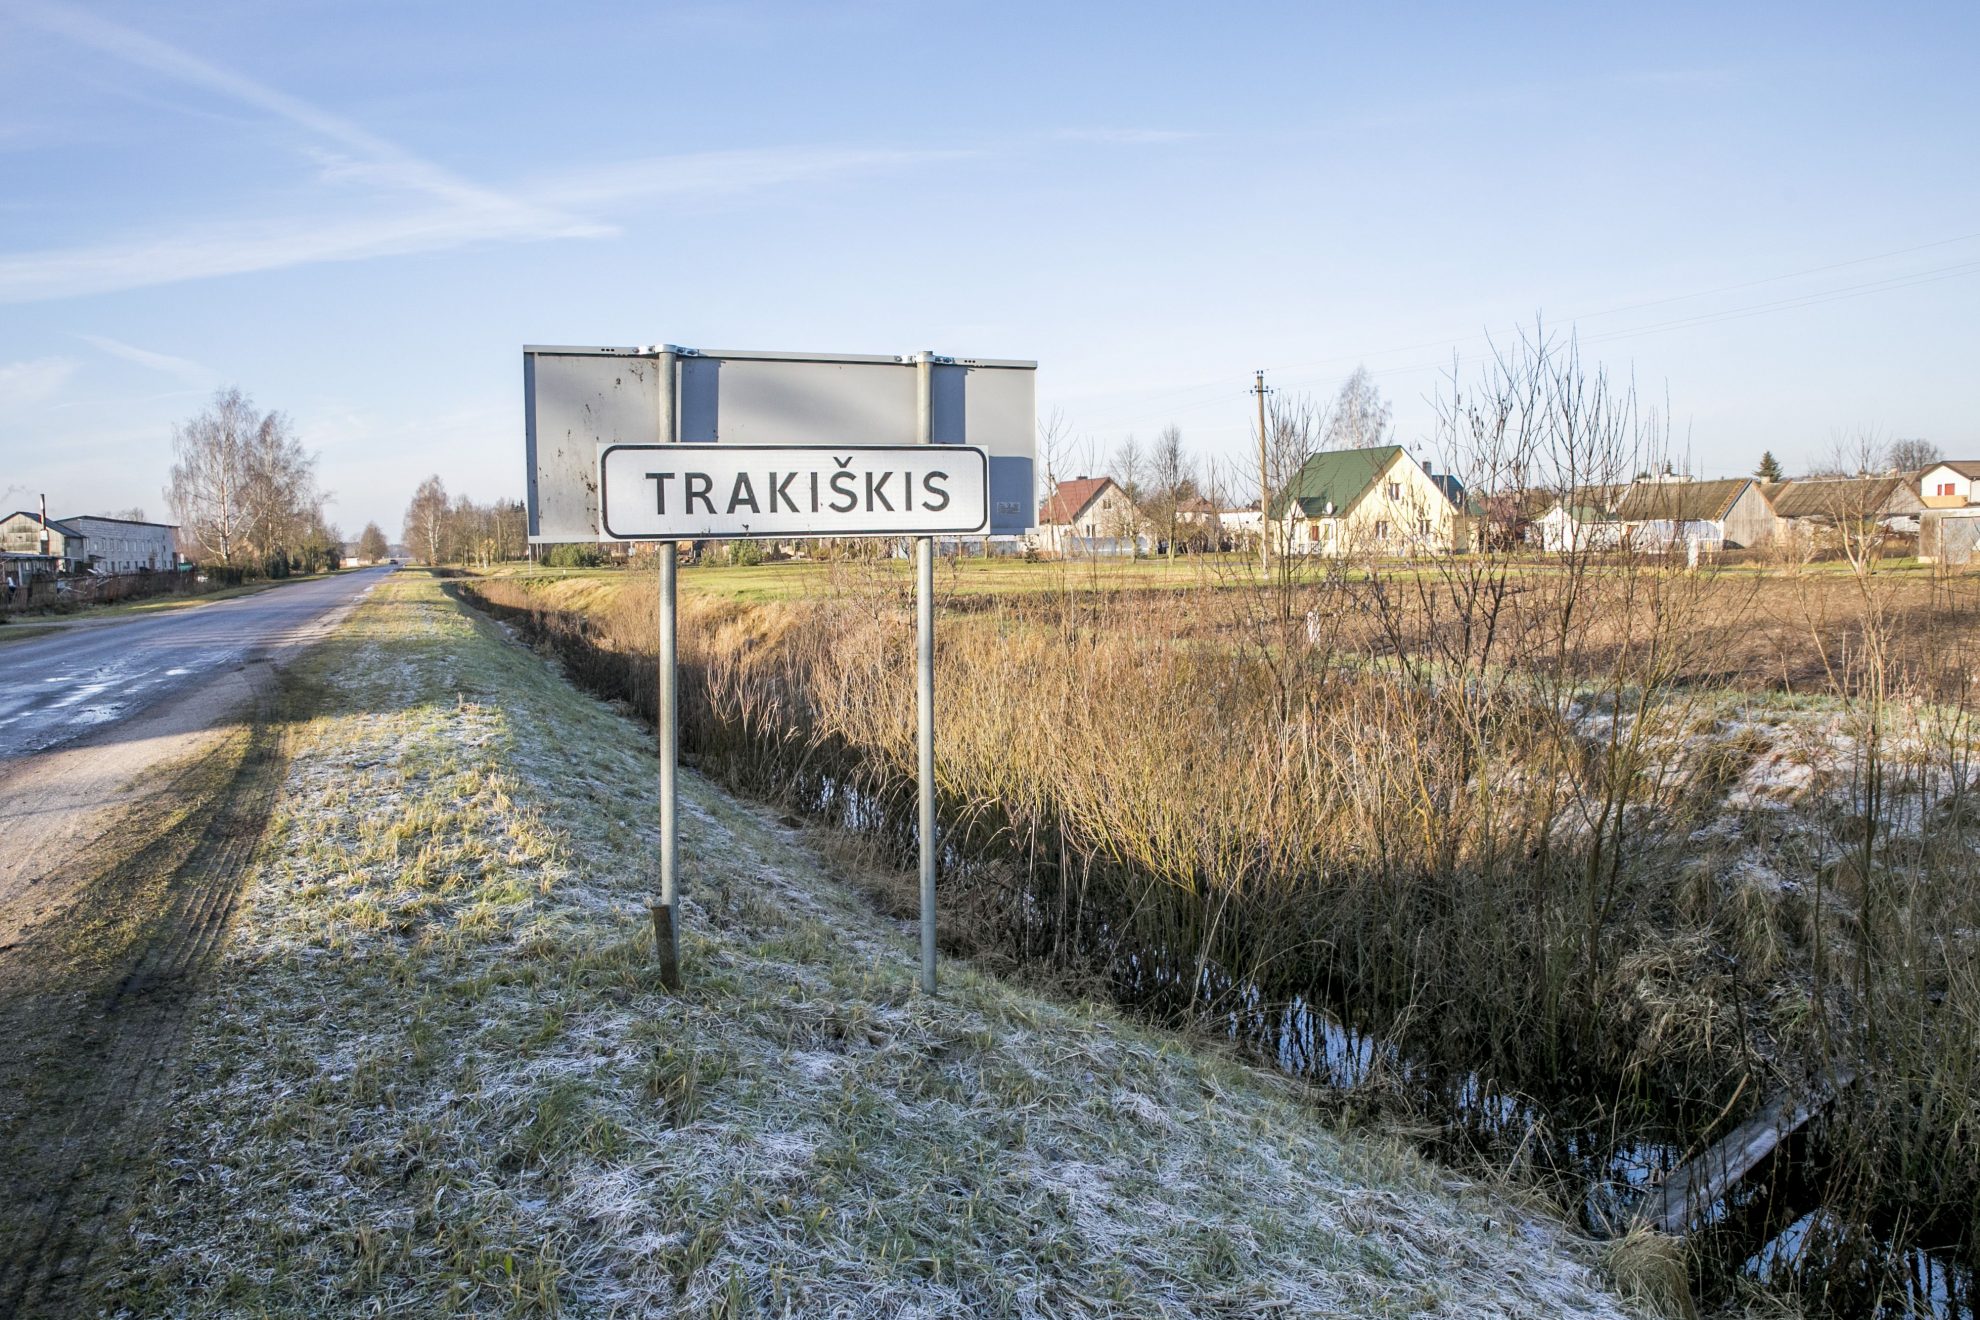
[(89, 677)]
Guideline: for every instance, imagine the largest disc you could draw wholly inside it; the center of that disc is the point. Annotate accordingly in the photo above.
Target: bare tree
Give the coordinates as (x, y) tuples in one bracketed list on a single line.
[(1913, 455), (1129, 469), (372, 544), (510, 529), (284, 507), (1361, 415), (1294, 427), (318, 545), (427, 521), (1054, 441), (1171, 481), (242, 486), (487, 534), (1850, 516)]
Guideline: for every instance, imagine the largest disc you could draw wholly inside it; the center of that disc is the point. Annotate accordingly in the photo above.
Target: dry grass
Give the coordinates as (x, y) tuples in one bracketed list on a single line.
[(1645, 845), (438, 1074)]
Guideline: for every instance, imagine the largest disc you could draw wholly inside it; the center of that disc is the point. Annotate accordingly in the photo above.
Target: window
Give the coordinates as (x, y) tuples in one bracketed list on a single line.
[(1382, 530), (1313, 531), (1395, 490), (1945, 488), (1423, 527)]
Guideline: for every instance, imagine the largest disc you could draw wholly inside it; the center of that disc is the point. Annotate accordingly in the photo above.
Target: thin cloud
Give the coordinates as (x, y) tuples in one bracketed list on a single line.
[(1678, 77), (145, 52), (717, 173), (192, 373), (34, 382), (351, 157), (243, 247), (1133, 137), (240, 248)]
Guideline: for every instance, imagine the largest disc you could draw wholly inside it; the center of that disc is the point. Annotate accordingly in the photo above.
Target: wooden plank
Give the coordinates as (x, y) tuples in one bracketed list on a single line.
[(1689, 1192)]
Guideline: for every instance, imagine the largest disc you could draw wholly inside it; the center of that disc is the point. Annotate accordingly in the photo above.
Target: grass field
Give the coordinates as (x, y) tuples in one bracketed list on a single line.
[(797, 579), (437, 1073), (800, 579)]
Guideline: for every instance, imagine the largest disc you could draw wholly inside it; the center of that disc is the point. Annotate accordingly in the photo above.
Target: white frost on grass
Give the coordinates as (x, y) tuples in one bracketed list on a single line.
[(438, 1072)]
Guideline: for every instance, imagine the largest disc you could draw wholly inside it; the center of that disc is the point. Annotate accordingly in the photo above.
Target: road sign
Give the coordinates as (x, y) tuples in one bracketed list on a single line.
[(578, 401), (734, 492), (671, 444)]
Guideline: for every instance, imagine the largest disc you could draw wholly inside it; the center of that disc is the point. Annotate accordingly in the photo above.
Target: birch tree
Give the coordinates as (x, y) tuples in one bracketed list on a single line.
[(243, 487), (427, 521), (1361, 416)]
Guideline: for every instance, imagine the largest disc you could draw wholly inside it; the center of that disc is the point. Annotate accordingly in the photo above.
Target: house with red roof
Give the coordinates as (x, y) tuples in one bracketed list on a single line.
[(1089, 515)]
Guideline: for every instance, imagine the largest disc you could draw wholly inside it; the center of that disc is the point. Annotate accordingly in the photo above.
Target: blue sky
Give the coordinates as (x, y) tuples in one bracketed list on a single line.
[(360, 211)]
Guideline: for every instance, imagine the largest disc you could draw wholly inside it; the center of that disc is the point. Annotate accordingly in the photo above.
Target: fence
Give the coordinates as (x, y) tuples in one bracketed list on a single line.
[(67, 593), (1949, 536)]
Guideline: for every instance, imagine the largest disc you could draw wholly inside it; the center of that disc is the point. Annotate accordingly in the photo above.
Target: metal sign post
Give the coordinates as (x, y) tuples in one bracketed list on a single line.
[(666, 917), (924, 691), (669, 444)]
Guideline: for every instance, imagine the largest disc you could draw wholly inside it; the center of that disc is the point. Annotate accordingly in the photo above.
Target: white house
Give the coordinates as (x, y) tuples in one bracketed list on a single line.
[(1572, 527), (1949, 485), (1243, 523)]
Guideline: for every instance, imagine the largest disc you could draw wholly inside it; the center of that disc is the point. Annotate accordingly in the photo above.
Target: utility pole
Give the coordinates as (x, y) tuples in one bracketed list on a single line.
[(1264, 494)]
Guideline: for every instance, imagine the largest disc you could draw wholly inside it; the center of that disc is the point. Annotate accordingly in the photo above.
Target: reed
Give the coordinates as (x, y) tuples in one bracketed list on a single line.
[(1514, 870)]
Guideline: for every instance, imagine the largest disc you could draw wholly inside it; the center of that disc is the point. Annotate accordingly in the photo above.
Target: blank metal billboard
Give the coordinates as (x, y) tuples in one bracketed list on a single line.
[(579, 400)]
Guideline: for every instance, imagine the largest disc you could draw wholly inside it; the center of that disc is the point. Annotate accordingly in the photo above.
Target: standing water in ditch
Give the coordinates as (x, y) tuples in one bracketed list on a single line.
[(1773, 1230)]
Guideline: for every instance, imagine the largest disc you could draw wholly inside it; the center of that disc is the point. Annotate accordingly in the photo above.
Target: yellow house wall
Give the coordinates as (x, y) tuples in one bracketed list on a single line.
[(1352, 531)]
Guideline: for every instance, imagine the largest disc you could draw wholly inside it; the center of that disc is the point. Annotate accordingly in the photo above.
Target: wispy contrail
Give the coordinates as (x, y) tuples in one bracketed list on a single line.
[(389, 159)]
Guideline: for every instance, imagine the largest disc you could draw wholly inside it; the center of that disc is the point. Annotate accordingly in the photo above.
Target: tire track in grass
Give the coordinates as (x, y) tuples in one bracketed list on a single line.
[(83, 1120)]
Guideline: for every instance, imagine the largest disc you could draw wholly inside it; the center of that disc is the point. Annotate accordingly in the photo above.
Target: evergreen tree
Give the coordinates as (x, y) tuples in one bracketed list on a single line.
[(1770, 467)]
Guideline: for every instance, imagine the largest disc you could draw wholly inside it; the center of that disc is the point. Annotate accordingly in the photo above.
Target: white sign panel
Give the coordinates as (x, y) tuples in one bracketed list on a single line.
[(733, 492)]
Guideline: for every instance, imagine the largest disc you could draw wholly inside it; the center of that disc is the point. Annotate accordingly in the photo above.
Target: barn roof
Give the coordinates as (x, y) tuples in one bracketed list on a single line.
[(1855, 497), (1681, 501)]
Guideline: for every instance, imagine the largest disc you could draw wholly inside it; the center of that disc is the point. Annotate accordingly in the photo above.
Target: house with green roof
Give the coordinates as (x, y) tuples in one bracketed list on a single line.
[(1377, 501)]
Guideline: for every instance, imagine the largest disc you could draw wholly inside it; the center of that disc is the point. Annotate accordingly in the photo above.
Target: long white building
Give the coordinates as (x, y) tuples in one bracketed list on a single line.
[(118, 545)]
